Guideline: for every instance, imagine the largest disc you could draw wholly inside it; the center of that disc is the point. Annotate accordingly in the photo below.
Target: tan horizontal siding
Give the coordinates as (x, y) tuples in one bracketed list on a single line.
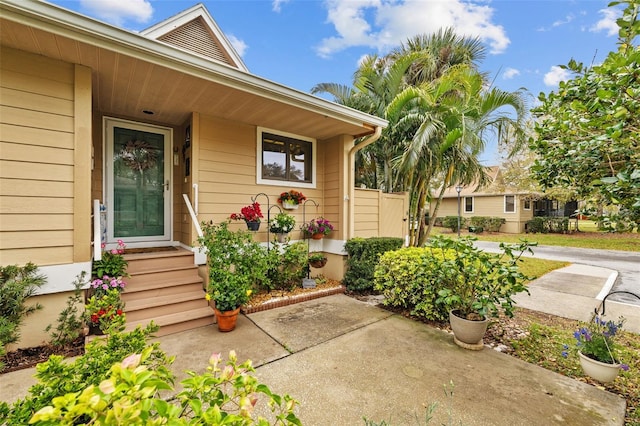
[(40, 256), (35, 171), (40, 137), (37, 159), (36, 222), (44, 188), (35, 154)]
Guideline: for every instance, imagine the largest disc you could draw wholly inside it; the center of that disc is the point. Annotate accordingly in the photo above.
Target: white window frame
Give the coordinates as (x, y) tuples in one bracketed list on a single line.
[(524, 204), (294, 184), (473, 205), (514, 204)]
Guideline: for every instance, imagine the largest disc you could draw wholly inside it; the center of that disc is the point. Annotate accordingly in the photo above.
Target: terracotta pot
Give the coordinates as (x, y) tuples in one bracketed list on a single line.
[(466, 331), (253, 226), (601, 371), (227, 319), (317, 236)]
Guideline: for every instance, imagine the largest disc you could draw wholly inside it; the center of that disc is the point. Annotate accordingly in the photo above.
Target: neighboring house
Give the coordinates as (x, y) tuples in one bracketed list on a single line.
[(493, 200), (135, 120)]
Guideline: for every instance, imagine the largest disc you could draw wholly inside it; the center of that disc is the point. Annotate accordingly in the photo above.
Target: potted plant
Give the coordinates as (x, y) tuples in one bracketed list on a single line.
[(105, 313), (596, 346), (476, 285), (317, 228), (112, 263), (236, 263), (317, 259), (251, 214), (291, 199), (281, 225)]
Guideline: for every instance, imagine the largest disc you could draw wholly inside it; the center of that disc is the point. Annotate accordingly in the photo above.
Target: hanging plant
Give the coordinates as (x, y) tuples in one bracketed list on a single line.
[(139, 155)]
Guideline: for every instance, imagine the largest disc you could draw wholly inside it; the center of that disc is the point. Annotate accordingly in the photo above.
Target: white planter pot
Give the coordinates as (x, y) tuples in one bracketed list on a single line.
[(469, 333), (601, 371), (288, 205)]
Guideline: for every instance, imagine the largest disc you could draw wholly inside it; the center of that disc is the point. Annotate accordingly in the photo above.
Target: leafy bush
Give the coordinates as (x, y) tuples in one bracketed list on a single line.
[(363, 258), (490, 224), (451, 274), (69, 325), (236, 264), (547, 224), (289, 265), (17, 284), (451, 222), (57, 378), (409, 278), (224, 394)]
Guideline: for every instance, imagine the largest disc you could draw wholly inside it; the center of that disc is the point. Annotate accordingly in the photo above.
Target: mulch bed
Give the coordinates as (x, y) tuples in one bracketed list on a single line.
[(29, 357)]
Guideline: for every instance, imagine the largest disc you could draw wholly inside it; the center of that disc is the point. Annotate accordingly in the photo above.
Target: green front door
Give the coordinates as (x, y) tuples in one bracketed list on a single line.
[(138, 203)]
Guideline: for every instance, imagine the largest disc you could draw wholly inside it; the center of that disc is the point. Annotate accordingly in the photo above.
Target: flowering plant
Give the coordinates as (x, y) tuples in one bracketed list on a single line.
[(250, 213), (112, 263), (101, 285), (292, 195), (596, 340), (105, 311), (319, 225), (281, 224)]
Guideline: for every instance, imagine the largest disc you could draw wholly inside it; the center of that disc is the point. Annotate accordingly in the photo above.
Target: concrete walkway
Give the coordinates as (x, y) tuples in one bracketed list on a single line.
[(344, 360)]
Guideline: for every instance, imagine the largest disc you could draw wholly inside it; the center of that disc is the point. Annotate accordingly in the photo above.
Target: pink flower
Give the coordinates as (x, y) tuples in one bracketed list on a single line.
[(114, 251)]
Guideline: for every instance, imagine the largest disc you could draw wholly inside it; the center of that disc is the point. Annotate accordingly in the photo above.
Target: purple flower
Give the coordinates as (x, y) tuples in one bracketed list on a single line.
[(565, 354), (624, 367)]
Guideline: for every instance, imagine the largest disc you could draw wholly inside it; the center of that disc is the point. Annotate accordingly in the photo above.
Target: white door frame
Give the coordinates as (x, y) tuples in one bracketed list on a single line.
[(107, 186)]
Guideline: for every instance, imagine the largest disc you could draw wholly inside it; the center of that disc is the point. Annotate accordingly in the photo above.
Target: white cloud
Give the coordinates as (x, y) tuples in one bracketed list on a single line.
[(119, 11), (607, 23), (277, 5), (509, 73), (556, 75), (564, 21), (384, 24), (239, 45)]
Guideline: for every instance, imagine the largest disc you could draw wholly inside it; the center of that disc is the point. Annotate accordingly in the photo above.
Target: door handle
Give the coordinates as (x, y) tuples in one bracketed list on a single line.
[(167, 185)]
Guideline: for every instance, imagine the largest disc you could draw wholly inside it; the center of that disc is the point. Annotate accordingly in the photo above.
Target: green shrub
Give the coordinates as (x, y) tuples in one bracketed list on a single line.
[(17, 284), (409, 278), (490, 224), (57, 377), (225, 394), (451, 222), (69, 324), (362, 260), (546, 224), (289, 265), (451, 274)]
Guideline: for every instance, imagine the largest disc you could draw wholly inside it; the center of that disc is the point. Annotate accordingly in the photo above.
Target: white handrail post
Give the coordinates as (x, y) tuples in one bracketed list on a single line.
[(193, 215), (97, 231)]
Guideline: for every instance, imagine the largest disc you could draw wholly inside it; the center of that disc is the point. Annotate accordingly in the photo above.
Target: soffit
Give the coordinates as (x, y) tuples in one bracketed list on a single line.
[(125, 84)]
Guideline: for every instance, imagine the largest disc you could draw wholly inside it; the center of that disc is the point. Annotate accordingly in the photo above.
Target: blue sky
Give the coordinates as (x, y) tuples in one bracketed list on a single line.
[(300, 43)]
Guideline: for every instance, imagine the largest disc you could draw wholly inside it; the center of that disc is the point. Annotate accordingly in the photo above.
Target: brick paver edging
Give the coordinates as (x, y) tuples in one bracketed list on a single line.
[(292, 299)]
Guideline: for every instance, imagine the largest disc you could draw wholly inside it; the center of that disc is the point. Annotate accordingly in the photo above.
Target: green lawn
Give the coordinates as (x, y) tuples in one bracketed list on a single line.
[(536, 268), (590, 239)]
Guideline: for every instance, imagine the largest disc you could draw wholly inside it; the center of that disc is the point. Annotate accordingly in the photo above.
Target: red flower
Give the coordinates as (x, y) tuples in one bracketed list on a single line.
[(250, 213)]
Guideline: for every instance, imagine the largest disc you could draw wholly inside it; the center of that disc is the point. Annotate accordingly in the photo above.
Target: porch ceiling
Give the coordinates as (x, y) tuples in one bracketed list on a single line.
[(126, 83)]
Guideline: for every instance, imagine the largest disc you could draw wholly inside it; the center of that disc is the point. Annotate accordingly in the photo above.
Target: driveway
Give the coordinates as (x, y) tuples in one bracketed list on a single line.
[(626, 263)]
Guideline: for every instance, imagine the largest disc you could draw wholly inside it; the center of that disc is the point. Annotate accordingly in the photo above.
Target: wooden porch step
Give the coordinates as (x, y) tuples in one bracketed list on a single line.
[(176, 322), (165, 288)]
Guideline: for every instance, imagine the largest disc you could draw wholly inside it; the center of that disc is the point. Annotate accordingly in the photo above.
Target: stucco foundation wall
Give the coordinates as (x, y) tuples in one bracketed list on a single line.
[(32, 331)]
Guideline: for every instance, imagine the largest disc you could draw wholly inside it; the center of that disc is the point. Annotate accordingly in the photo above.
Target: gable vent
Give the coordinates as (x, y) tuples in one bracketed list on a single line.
[(195, 36)]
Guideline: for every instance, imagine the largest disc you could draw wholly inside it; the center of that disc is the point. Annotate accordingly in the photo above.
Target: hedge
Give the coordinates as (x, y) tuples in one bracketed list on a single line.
[(363, 258)]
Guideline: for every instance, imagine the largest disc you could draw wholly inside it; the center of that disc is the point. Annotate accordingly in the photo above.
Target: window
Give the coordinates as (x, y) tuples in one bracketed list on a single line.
[(468, 204), (509, 203), (285, 158), (527, 205)]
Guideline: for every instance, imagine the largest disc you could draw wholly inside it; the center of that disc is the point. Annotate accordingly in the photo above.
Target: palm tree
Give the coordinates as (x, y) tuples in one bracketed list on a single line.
[(457, 116)]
